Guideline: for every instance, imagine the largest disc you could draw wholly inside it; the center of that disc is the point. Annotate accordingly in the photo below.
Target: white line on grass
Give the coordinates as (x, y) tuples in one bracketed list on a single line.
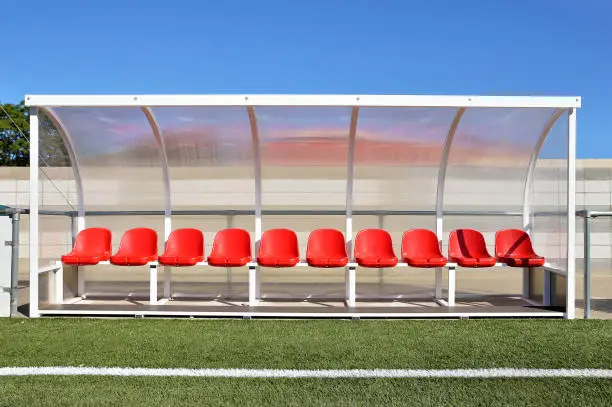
[(289, 373)]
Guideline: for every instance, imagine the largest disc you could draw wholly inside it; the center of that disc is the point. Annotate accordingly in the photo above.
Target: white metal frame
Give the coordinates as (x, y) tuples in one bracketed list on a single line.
[(570, 306), (251, 102)]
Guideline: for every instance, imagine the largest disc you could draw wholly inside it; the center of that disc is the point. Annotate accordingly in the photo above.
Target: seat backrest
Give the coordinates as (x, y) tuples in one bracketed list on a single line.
[(467, 243), (94, 241), (279, 242), (232, 243), (326, 243), (185, 243), (513, 243), (373, 243), (420, 243), (138, 242)]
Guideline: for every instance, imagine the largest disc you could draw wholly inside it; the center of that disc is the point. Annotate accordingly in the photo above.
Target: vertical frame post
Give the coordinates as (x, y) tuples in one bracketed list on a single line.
[(350, 279), (570, 310), (34, 212), (254, 271), (448, 142), (350, 180)]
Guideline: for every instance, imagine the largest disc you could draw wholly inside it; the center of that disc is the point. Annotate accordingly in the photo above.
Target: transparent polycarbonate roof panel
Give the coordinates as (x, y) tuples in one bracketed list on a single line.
[(119, 158), (549, 197), (57, 183), (210, 155), (489, 158), (304, 157), (397, 157)]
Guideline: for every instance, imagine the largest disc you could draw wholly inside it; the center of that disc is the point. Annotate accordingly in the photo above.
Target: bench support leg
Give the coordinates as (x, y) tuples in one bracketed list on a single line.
[(350, 282), (153, 284), (57, 296), (438, 292), (80, 282), (253, 285), (451, 286)]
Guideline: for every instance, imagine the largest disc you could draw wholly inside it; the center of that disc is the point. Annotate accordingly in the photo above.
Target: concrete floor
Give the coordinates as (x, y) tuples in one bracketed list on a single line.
[(403, 285)]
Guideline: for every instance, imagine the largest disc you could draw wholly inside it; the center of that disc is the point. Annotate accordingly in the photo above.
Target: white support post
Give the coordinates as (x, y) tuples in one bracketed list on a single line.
[(451, 285), (167, 282), (254, 271), (34, 212), (438, 292), (58, 285), (350, 282), (350, 179), (253, 285), (570, 310), (153, 284), (81, 282)]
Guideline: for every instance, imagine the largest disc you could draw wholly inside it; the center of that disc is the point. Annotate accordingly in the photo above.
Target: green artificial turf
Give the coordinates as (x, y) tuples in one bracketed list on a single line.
[(304, 345), (307, 344), (78, 391)]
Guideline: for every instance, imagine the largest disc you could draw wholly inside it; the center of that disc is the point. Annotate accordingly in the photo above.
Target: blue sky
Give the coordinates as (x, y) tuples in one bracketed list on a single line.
[(486, 47)]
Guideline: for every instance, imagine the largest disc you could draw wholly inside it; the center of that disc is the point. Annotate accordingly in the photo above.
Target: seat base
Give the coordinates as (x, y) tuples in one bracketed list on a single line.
[(177, 261), (321, 262), (535, 261), (426, 262), (475, 261), (76, 259), (377, 262), (277, 262), (119, 260), (219, 261)]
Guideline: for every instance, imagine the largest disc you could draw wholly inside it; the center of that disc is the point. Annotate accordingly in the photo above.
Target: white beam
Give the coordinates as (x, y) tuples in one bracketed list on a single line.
[(305, 100)]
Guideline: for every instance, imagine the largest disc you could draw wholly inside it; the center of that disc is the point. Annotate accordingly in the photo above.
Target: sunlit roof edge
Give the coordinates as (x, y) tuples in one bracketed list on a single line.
[(305, 100)]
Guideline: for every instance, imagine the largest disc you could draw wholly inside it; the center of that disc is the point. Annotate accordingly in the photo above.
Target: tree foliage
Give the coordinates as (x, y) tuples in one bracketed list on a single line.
[(14, 145), (15, 135)]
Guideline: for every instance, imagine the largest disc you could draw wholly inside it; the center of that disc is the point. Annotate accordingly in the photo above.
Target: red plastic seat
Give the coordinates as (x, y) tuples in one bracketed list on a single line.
[(91, 246), (326, 248), (185, 247), (137, 248), (374, 248), (231, 248), (278, 248), (467, 248), (513, 247), (420, 248)]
